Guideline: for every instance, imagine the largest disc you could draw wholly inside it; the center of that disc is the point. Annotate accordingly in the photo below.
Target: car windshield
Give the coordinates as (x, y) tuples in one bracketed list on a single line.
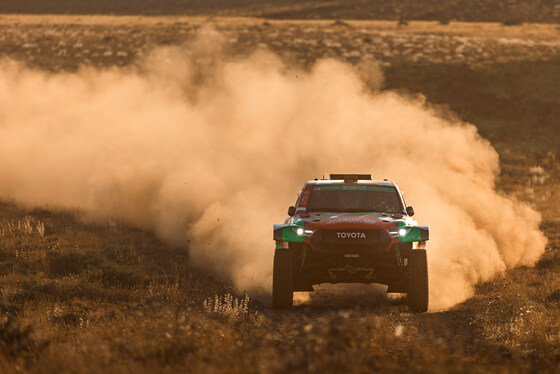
[(355, 198)]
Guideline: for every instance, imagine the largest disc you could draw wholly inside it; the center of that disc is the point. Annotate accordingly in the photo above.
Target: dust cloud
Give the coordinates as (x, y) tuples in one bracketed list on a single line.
[(209, 149)]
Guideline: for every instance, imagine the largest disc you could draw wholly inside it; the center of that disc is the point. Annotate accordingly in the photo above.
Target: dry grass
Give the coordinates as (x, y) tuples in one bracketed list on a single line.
[(91, 298), (82, 297)]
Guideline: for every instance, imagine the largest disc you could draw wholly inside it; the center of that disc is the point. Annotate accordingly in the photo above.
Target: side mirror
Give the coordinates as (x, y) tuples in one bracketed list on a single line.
[(291, 211), (410, 211)]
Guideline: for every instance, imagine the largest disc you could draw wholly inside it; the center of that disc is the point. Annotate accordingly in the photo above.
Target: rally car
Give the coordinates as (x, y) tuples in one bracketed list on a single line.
[(350, 229)]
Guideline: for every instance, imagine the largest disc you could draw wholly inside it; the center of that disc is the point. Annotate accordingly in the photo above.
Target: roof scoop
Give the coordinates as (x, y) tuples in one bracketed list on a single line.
[(351, 177)]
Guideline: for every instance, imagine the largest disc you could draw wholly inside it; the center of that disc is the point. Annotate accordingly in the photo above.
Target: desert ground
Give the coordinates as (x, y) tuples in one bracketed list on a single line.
[(77, 296)]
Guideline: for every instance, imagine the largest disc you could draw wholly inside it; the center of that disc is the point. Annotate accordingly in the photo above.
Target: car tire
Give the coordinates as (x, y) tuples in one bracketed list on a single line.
[(283, 279), (418, 295)]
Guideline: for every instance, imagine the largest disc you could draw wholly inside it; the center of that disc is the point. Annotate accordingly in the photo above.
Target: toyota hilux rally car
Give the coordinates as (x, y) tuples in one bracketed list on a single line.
[(350, 229)]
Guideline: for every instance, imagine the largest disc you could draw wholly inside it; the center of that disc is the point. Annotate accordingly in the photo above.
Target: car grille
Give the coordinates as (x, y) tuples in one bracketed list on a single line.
[(351, 240)]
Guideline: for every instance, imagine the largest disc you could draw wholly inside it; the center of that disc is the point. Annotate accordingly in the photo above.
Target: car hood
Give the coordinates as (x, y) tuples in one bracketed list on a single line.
[(332, 220)]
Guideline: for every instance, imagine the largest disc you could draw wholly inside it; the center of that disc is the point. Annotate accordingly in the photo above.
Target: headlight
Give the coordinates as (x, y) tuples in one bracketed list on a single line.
[(404, 232), (400, 232), (302, 232)]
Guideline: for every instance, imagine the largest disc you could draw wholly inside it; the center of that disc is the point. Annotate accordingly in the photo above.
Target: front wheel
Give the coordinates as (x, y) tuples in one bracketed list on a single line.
[(418, 294), (283, 279)]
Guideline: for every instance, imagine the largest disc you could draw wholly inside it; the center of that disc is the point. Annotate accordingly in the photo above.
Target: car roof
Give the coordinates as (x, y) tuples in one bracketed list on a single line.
[(322, 182)]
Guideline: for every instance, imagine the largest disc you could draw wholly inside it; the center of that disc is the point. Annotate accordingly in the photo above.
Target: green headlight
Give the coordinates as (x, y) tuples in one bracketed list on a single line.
[(301, 231)]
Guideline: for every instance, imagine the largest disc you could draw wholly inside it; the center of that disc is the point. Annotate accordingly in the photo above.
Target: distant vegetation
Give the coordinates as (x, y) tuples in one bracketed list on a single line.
[(506, 11)]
